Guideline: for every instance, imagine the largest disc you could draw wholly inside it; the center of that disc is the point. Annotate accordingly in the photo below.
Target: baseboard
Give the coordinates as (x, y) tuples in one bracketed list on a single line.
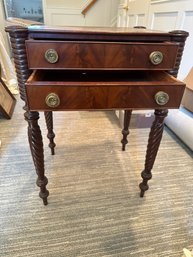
[(139, 119)]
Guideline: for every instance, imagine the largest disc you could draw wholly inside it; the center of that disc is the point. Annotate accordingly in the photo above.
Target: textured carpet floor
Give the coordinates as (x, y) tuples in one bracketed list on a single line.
[(94, 205)]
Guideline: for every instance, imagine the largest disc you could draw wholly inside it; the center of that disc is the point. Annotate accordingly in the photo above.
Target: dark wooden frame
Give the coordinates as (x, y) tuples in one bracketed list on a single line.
[(3, 111)]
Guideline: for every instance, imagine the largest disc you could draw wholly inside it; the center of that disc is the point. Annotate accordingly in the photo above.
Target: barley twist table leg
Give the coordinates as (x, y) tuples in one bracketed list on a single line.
[(125, 131), (50, 135), (37, 151), (155, 137)]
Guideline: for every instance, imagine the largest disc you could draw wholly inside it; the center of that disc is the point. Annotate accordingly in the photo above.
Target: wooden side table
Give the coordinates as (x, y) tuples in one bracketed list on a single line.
[(82, 68)]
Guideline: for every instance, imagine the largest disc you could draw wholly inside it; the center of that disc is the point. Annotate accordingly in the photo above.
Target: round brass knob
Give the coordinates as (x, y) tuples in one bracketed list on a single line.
[(126, 7), (156, 57), (52, 100), (161, 98), (51, 56)]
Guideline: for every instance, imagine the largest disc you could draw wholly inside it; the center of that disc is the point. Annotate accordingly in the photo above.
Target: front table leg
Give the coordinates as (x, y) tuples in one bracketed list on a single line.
[(155, 137), (37, 151)]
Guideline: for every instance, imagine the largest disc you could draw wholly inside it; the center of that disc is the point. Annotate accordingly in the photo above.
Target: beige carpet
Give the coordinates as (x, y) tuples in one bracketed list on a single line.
[(94, 205)]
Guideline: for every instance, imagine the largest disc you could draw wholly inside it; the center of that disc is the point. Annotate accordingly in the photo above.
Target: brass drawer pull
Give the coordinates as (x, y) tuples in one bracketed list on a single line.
[(51, 56), (52, 100), (156, 57), (161, 98)]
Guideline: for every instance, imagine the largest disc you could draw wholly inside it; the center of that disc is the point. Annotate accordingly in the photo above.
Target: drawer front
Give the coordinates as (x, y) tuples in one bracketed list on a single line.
[(96, 55), (59, 97)]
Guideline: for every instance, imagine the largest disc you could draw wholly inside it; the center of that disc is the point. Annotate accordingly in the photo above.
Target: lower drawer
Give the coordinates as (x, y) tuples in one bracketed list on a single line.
[(152, 92)]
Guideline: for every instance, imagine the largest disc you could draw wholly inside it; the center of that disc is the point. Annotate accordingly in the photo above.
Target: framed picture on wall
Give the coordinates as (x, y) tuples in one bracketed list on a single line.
[(7, 101)]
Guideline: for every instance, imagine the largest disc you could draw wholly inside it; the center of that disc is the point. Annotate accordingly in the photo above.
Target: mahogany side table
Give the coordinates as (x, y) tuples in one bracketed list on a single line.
[(87, 68)]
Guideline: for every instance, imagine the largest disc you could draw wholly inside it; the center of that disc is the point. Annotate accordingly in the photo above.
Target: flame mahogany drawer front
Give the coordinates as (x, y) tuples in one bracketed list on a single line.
[(101, 55), (132, 90)]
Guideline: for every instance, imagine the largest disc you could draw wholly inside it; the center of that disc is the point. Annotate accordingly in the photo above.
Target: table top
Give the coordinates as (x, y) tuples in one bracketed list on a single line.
[(102, 33), (95, 30)]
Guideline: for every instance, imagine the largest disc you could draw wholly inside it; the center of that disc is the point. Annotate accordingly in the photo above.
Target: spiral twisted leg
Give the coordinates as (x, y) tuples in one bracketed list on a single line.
[(36, 146), (125, 131), (50, 135), (155, 137)]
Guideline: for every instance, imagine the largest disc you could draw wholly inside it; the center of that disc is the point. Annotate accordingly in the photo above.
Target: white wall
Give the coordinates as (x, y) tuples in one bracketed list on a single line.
[(68, 13), (2, 25), (66, 3)]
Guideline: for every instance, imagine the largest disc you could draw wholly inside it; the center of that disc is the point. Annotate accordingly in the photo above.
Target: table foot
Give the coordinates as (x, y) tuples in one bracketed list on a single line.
[(155, 137), (44, 193), (142, 193), (45, 201), (125, 131), (143, 185), (49, 123)]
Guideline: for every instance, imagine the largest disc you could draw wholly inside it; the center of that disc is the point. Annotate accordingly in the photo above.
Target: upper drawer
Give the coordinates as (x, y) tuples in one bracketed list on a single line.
[(100, 55)]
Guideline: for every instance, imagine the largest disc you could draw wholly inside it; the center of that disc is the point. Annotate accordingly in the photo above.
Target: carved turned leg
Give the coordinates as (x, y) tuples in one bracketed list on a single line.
[(37, 151), (152, 148), (125, 131), (50, 135)]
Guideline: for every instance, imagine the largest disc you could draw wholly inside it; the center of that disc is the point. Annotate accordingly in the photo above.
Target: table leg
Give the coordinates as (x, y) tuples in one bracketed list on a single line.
[(155, 137), (37, 151), (50, 135), (125, 131)]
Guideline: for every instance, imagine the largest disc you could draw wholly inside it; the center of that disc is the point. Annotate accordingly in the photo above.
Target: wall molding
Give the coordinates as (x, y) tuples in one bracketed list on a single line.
[(85, 3), (64, 11), (162, 1), (64, 8), (114, 21)]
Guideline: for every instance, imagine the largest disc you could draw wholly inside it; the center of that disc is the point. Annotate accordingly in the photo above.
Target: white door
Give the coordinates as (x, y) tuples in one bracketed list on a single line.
[(122, 13), (133, 13), (137, 13)]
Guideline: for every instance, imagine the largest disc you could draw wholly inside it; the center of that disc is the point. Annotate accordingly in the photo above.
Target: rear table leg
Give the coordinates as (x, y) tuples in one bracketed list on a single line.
[(50, 135), (125, 131)]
